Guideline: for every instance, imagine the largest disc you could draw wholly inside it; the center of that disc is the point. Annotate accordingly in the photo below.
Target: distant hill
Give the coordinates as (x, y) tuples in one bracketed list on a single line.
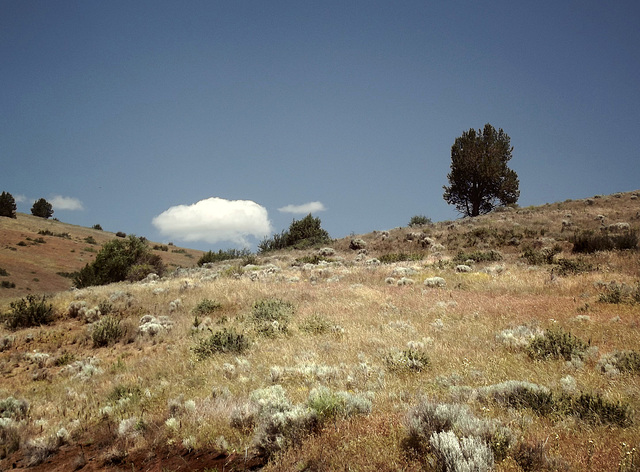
[(40, 254)]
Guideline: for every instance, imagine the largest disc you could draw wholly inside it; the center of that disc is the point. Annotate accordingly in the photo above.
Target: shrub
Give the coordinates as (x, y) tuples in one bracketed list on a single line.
[(206, 307), (225, 340), (461, 455), (620, 361), (412, 360), (271, 316), (479, 256), (400, 257), (121, 234), (107, 331), (279, 424), (544, 256), (315, 324), (42, 208), (555, 343), (7, 284), (13, 408), (301, 234), (32, 311), (120, 260), (518, 394), (210, 256), (97, 226), (589, 242), (419, 220), (90, 240), (616, 293), (572, 266), (7, 205), (595, 409), (332, 405)]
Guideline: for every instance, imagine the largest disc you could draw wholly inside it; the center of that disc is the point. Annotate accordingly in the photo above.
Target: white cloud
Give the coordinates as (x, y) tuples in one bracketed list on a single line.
[(305, 208), (65, 203), (20, 198), (214, 220)]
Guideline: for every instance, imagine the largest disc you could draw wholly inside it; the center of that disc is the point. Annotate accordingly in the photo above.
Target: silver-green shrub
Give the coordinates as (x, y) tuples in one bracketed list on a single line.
[(467, 454)]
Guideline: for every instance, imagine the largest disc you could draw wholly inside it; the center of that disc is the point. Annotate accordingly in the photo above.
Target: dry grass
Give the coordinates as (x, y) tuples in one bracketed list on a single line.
[(150, 391)]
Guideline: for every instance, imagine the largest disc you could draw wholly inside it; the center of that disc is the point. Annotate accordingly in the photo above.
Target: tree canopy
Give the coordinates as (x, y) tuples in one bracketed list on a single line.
[(480, 179), (7, 205), (42, 208)]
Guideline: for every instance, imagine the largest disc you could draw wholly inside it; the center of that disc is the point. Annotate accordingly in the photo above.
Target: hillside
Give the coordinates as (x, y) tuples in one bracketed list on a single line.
[(38, 254), (475, 344)]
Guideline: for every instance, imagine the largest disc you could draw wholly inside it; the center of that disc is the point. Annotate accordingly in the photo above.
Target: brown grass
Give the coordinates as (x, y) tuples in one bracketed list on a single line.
[(456, 326)]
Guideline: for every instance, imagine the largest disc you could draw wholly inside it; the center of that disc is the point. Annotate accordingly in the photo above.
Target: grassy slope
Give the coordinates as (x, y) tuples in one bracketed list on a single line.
[(368, 318), (35, 266)]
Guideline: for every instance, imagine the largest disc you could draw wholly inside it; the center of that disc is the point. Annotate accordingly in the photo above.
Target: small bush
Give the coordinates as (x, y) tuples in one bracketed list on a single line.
[(400, 257), (315, 324), (120, 260), (97, 226), (572, 266), (301, 234), (90, 240), (3, 272), (32, 311), (461, 455), (621, 361), (7, 284), (595, 409), (330, 405), (13, 408), (589, 242), (107, 331), (616, 293), (479, 256), (225, 340), (543, 256), (121, 234), (206, 307), (210, 256), (271, 316), (411, 360), (555, 343), (419, 220)]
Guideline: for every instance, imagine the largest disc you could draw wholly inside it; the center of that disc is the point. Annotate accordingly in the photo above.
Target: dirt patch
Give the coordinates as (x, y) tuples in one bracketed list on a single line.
[(168, 458)]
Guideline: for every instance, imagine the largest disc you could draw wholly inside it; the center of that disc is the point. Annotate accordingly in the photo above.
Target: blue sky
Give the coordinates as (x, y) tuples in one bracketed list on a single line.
[(211, 123)]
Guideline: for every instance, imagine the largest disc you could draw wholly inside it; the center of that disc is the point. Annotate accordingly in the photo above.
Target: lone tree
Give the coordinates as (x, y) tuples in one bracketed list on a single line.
[(42, 208), (479, 177), (7, 205)]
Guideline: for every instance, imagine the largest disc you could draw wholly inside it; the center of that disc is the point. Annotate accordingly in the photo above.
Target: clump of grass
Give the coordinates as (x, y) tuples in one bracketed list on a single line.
[(206, 307), (32, 311), (225, 340), (392, 257), (555, 343), (315, 324), (271, 316), (407, 360), (106, 331), (333, 405)]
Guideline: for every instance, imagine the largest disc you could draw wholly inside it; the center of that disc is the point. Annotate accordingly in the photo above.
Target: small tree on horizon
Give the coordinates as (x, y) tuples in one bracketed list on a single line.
[(7, 205), (42, 208), (480, 178)]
